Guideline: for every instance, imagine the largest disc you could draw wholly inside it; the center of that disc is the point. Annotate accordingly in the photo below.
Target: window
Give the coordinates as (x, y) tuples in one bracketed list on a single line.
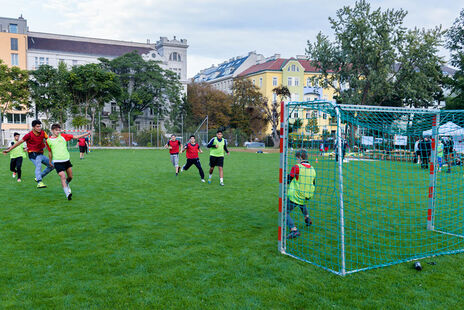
[(288, 68), (308, 115), (41, 61), (289, 81), (13, 28), (308, 82), (14, 60), (36, 62), (297, 81), (260, 82), (324, 116), (16, 118), (46, 60), (274, 81), (274, 97), (298, 69), (295, 97), (14, 44), (295, 115), (61, 60), (293, 68), (253, 81), (174, 56), (314, 114)]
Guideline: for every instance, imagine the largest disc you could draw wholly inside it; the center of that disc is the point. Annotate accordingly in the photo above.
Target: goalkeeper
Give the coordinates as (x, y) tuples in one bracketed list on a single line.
[(302, 180)]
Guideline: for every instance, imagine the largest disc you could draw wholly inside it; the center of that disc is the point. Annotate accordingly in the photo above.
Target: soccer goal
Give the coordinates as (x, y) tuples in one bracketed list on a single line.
[(389, 185), (72, 145)]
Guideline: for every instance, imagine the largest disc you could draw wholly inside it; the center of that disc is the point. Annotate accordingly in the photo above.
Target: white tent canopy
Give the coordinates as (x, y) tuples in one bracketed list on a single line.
[(447, 129)]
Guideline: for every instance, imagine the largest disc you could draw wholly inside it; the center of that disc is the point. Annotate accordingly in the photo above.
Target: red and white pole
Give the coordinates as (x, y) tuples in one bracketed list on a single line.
[(281, 226), (433, 173)]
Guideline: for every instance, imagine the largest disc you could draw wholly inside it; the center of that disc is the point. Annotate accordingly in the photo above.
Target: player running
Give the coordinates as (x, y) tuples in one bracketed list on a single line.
[(59, 156), (302, 180), (35, 147), (16, 158), (218, 147), (83, 147), (175, 148), (192, 149)]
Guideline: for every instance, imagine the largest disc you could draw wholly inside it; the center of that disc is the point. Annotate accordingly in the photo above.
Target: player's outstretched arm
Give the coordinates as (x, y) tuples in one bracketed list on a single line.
[(82, 136), (13, 146)]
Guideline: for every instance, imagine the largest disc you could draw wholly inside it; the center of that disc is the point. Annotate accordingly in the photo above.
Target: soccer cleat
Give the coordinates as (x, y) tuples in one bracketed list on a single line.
[(203, 180), (41, 185), (209, 181), (293, 234), (69, 196), (35, 179), (308, 221), (14, 175), (19, 180), (221, 183)]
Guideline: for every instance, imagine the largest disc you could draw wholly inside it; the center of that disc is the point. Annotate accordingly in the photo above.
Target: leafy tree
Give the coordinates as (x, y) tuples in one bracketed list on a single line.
[(14, 90), (203, 100), (312, 126), (91, 87), (248, 105), (375, 60), (50, 92), (143, 84), (455, 43)]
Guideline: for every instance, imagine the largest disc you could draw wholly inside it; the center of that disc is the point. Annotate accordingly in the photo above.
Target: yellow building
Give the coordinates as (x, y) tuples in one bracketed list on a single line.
[(13, 52), (296, 75)]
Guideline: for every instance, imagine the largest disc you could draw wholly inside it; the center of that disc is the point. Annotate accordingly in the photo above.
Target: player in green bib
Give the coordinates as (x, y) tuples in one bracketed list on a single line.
[(302, 180), (218, 146), (16, 158), (59, 156)]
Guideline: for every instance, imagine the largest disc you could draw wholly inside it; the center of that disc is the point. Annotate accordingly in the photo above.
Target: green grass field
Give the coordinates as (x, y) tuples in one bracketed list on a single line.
[(136, 237)]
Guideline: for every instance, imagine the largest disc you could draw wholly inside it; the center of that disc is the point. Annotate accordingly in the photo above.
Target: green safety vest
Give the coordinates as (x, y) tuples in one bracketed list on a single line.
[(59, 149), (302, 189), (18, 152), (440, 150), (218, 152)]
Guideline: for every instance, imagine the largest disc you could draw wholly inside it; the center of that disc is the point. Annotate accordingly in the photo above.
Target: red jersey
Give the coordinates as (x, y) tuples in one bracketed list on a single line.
[(82, 142), (35, 143), (192, 150), (175, 147)]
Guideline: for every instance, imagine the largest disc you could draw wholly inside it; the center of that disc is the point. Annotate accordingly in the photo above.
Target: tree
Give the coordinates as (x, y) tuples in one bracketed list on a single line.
[(312, 126), (248, 105), (91, 87), (144, 84), (455, 44), (14, 90), (203, 100), (375, 60), (273, 113), (50, 92)]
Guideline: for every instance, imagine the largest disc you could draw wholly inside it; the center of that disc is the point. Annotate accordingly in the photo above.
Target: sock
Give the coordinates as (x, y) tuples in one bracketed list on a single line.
[(221, 180), (210, 176), (66, 191), (68, 180)]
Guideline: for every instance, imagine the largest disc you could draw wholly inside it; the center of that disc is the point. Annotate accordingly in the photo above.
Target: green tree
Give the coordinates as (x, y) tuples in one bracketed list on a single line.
[(143, 84), (248, 105), (272, 111), (14, 90), (312, 126), (91, 87), (455, 44), (375, 60), (50, 92)]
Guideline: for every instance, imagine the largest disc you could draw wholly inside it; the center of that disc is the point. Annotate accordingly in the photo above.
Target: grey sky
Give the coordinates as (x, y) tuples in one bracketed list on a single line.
[(215, 30)]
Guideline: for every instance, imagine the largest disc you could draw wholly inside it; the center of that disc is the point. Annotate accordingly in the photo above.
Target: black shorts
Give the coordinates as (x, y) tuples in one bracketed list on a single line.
[(82, 149), (216, 161), (62, 166)]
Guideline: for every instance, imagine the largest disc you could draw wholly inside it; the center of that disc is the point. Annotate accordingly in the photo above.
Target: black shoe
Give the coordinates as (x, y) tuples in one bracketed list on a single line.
[(70, 196), (293, 234), (308, 221)]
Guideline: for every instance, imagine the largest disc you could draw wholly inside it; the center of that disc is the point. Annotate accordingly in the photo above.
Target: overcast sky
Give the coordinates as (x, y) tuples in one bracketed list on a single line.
[(216, 30)]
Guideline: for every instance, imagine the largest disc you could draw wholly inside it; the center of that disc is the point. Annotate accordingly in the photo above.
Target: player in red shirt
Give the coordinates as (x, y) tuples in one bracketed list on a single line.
[(35, 148), (175, 148), (192, 149), (83, 146)]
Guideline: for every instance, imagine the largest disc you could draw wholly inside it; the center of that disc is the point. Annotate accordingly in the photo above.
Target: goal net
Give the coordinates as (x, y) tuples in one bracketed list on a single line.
[(72, 144), (389, 185)]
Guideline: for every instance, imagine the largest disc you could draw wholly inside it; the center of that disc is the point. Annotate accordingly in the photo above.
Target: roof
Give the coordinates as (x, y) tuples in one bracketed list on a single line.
[(82, 47), (225, 69), (277, 64)]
